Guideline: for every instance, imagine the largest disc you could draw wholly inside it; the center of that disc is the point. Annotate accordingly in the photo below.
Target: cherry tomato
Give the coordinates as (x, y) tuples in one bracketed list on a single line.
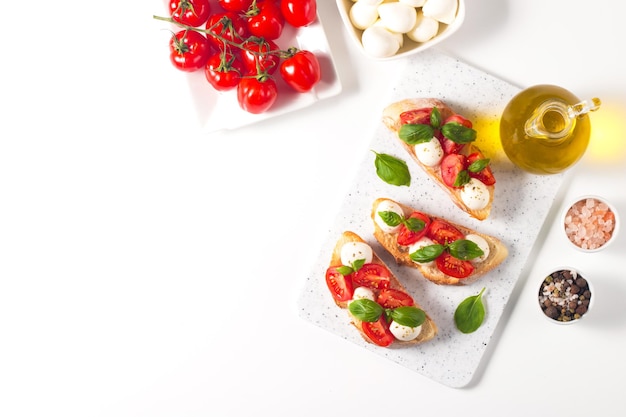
[(456, 118), (416, 117), (235, 5), (448, 145), (189, 50), (485, 175), (378, 332), (265, 20), (340, 286), (442, 232), (407, 237), (223, 71), (454, 267), (373, 276), (451, 167), (299, 13), (229, 26), (301, 71), (260, 56), (392, 298), (190, 12), (256, 96)]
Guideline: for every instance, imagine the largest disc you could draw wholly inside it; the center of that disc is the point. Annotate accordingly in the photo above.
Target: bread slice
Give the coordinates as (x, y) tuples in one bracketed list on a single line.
[(429, 328), (391, 119), (497, 250)]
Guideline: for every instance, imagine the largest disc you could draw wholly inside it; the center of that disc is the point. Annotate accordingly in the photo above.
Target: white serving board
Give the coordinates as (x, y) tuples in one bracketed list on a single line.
[(522, 202)]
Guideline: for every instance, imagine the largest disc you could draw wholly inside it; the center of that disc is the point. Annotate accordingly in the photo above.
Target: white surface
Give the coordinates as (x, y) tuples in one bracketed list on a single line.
[(123, 228)]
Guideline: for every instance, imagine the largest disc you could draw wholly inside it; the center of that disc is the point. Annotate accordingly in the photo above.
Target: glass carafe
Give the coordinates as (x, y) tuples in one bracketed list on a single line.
[(545, 129)]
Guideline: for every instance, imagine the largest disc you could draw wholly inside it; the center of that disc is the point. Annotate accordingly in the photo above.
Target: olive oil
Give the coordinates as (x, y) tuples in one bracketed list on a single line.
[(545, 129)]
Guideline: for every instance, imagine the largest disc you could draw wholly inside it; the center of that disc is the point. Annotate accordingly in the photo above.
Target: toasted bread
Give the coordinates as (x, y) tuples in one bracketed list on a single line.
[(429, 328), (497, 250), (391, 119)]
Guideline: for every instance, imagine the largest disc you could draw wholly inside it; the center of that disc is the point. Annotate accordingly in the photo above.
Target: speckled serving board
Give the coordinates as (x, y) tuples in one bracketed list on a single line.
[(522, 202)]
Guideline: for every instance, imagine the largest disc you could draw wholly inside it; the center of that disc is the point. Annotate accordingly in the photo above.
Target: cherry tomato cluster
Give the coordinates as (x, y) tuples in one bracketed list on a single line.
[(234, 43)]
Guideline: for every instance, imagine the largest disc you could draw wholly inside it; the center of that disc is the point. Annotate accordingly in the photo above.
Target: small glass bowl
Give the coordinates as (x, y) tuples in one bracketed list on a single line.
[(590, 223), (565, 295)]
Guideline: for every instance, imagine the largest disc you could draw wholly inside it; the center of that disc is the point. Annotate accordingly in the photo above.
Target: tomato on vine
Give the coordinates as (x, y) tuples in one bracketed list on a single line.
[(301, 70), (235, 5), (265, 20), (256, 94), (260, 56), (189, 50), (223, 70), (190, 12), (299, 13), (226, 27)]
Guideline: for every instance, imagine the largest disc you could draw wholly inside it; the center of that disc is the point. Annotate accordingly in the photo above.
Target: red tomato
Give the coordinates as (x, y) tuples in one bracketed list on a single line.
[(256, 96), (416, 117), (456, 118), (190, 12), (451, 167), (407, 237), (442, 232), (373, 276), (454, 267), (223, 71), (486, 175), (235, 5), (260, 56), (227, 26), (340, 286), (378, 332), (301, 71), (448, 145), (265, 20), (189, 50), (299, 13), (392, 298)]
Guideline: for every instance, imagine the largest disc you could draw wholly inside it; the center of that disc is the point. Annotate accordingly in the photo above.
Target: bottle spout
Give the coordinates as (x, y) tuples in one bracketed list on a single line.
[(584, 107)]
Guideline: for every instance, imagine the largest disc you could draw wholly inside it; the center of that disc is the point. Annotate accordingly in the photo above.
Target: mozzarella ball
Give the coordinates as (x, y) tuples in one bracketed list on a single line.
[(429, 153), (425, 28), (482, 244), (387, 205), (354, 251), (397, 17), (404, 333), (379, 42), (363, 15), (441, 10)]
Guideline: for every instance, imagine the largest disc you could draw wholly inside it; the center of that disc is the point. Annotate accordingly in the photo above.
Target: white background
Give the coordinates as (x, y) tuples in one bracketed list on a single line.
[(149, 269)]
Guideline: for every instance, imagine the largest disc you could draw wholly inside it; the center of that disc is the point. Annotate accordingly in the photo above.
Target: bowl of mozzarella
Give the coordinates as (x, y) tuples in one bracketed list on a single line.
[(390, 29)]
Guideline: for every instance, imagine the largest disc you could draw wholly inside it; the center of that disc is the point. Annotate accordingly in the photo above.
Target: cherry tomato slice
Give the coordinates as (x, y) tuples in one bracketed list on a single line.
[(340, 286), (378, 332), (299, 13), (416, 117), (454, 267), (407, 237), (485, 175), (393, 298), (443, 232), (301, 71), (373, 276), (451, 166), (456, 118)]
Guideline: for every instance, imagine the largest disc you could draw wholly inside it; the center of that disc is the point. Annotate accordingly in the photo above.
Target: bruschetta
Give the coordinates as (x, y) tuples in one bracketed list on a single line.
[(445, 253), (377, 303), (441, 142)]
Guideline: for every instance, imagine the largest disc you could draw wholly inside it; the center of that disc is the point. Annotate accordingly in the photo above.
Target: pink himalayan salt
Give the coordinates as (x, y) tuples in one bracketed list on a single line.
[(589, 223)]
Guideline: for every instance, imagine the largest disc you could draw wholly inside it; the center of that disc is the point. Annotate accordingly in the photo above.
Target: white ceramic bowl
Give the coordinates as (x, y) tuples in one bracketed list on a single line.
[(582, 302), (409, 47), (574, 215)]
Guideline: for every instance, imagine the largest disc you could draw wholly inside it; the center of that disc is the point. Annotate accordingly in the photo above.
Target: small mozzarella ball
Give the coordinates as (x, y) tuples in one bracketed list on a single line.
[(371, 2), (363, 15), (441, 10), (398, 36), (353, 251), (387, 205), (425, 28), (482, 244), (361, 293), (397, 17), (404, 333), (379, 42), (413, 3), (423, 242), (429, 153), (475, 194)]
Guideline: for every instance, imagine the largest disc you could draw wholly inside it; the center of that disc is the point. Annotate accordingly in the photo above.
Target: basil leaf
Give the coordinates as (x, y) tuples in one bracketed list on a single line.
[(427, 253), (356, 265), (392, 170), (413, 134), (462, 178), (478, 165), (365, 310), (391, 218), (465, 249), (458, 133), (345, 270), (408, 316), (414, 224), (435, 118), (469, 315)]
